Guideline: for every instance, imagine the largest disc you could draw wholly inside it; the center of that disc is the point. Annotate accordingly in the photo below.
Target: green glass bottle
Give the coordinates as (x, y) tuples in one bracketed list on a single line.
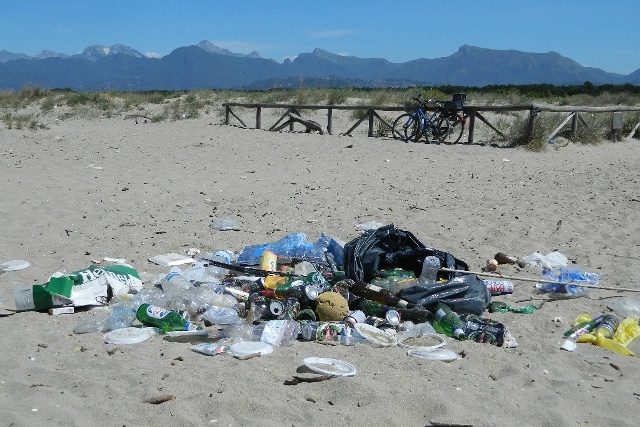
[(447, 322), (165, 320)]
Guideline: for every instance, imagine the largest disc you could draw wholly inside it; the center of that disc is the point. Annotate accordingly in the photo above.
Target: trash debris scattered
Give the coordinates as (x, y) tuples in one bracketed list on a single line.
[(383, 289)]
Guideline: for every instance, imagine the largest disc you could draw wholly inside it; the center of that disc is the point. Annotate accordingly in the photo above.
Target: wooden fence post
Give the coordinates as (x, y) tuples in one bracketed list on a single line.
[(227, 110), (329, 119), (370, 113), (472, 125), (258, 117), (532, 116)]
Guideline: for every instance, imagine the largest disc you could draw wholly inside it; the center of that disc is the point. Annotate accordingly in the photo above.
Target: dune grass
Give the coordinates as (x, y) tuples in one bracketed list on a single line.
[(29, 107)]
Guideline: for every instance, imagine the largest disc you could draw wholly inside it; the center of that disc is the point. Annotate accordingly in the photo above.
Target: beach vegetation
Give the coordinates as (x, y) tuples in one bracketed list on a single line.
[(24, 108)]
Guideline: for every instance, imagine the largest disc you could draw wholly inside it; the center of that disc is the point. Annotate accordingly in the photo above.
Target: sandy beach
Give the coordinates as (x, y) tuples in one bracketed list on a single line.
[(86, 189)]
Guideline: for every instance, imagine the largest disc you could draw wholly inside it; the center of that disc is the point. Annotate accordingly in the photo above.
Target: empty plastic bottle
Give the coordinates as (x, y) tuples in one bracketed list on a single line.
[(429, 274), (122, 316), (176, 282)]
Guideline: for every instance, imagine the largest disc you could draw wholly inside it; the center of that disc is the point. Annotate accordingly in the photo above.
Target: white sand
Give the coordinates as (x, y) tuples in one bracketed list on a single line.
[(87, 189)]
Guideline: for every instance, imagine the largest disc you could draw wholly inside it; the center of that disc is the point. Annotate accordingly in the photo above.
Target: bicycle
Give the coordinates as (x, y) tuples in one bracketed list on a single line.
[(457, 119), (413, 126)]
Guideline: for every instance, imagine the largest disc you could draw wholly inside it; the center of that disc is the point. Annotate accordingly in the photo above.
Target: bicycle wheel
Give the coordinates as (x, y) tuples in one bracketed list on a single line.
[(457, 122), (398, 126), (413, 129), (440, 129)]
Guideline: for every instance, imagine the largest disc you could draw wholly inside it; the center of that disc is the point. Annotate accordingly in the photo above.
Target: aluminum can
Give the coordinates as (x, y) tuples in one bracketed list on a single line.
[(499, 287)]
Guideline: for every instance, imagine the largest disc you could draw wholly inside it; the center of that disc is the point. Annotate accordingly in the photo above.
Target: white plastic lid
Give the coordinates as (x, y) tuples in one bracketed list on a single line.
[(16, 264), (375, 335), (250, 347), (128, 335), (335, 367), (427, 342), (440, 354)]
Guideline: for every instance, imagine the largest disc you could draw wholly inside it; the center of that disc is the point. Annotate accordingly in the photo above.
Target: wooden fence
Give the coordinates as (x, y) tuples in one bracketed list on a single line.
[(472, 112)]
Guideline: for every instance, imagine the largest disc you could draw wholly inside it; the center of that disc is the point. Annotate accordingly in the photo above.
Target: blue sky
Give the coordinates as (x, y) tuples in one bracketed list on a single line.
[(602, 34)]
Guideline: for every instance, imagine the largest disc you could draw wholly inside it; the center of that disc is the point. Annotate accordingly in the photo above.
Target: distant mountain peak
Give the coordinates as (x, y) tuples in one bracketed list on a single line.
[(96, 52), (207, 46)]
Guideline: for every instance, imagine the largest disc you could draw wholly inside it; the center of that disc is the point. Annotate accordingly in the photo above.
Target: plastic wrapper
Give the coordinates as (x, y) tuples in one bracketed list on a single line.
[(571, 280), (222, 316), (291, 246), (463, 294)]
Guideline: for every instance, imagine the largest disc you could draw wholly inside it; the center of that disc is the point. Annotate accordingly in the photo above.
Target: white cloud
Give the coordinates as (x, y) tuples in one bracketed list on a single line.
[(152, 55)]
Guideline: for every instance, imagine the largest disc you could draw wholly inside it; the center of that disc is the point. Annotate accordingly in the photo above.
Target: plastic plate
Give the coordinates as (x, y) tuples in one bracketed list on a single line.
[(128, 336), (246, 348), (427, 342), (16, 264), (439, 354), (335, 367)]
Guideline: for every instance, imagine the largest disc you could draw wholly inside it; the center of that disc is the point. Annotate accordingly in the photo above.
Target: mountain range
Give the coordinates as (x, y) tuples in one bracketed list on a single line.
[(207, 66)]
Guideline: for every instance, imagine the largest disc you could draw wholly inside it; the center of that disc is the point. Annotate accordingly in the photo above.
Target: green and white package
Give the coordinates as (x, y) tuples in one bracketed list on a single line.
[(89, 286)]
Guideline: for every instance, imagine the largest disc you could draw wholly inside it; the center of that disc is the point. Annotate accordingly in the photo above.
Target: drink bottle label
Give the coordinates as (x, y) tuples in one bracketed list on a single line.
[(440, 314), (157, 312), (190, 326)]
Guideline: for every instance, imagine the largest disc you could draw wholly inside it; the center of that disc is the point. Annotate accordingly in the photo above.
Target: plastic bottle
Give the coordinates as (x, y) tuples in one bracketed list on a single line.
[(165, 320), (176, 282), (218, 271), (429, 274), (608, 325), (447, 322), (122, 316)]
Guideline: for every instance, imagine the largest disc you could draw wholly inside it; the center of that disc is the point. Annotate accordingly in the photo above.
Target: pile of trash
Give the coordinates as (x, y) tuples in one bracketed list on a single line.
[(383, 288)]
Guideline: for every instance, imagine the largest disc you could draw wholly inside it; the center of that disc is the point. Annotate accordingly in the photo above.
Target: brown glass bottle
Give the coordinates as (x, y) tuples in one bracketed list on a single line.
[(376, 293)]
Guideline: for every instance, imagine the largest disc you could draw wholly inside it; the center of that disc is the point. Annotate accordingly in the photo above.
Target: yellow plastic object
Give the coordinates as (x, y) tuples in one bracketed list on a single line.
[(583, 318), (627, 331), (273, 280), (605, 343)]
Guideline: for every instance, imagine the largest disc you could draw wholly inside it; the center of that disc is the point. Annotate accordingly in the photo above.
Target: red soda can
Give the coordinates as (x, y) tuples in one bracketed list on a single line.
[(499, 287)]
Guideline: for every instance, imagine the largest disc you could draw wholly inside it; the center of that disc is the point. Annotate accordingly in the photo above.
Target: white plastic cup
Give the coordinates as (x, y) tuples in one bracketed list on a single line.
[(23, 298)]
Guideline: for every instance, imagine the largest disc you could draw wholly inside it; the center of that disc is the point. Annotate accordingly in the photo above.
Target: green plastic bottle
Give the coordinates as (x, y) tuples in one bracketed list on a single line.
[(163, 319), (447, 322)]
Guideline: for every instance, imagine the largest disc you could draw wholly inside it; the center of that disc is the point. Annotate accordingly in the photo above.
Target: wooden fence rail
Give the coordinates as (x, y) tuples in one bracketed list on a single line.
[(292, 115)]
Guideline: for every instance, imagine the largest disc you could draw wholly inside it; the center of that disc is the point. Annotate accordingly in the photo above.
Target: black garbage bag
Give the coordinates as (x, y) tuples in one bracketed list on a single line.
[(464, 294), (389, 247)]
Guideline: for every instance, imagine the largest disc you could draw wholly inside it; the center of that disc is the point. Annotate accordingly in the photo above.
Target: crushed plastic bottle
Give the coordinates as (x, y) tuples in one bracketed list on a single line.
[(122, 316)]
